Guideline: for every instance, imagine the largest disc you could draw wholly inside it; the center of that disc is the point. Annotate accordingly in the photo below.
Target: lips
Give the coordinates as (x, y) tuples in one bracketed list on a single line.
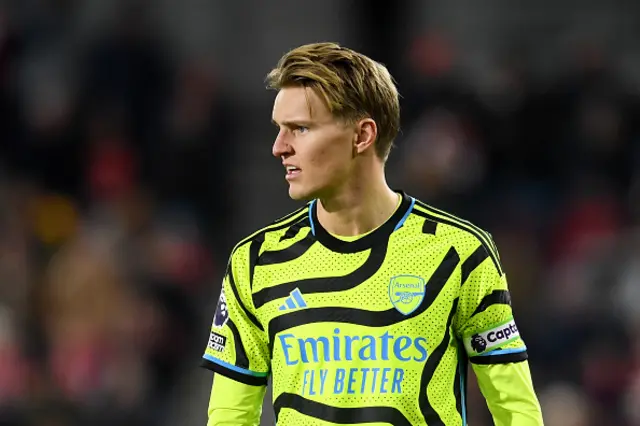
[(292, 171)]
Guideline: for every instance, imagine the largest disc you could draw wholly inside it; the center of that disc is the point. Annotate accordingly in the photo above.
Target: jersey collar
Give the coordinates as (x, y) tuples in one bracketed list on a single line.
[(379, 235)]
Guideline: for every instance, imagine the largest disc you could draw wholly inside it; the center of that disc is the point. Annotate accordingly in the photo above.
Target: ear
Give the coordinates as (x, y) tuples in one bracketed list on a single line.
[(366, 134)]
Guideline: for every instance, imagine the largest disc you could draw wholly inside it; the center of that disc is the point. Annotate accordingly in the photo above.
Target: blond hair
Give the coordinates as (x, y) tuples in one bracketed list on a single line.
[(352, 85)]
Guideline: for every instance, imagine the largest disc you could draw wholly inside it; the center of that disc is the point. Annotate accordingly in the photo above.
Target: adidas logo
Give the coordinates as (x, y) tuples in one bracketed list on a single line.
[(294, 301)]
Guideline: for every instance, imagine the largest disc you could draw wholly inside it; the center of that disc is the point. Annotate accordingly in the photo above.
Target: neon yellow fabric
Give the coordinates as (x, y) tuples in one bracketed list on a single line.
[(509, 392), (507, 388), (373, 331), (233, 403)]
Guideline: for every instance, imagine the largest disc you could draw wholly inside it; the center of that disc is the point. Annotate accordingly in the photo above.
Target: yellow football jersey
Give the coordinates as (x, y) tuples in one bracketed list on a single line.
[(376, 330)]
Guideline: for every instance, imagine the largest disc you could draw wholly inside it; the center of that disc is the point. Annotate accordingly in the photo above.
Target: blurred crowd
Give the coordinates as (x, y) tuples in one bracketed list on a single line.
[(115, 197), (113, 185)]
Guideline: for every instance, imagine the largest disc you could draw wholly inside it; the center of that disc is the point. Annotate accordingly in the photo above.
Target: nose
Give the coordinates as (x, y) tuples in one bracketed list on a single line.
[(280, 146)]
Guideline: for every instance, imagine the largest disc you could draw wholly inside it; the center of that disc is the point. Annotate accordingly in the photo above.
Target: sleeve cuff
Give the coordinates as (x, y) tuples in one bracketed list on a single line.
[(248, 377)]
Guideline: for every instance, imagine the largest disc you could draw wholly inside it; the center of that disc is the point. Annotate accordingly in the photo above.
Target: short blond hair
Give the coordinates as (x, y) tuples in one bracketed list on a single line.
[(352, 85)]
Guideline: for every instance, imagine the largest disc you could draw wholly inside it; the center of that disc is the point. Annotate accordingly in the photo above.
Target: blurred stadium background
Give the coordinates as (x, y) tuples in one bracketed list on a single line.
[(135, 143)]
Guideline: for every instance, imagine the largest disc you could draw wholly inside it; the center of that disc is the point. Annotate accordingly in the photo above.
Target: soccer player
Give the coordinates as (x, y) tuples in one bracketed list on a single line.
[(365, 305)]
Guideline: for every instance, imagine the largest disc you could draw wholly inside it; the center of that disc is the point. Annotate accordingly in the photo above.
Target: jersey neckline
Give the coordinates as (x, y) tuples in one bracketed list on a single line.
[(382, 233)]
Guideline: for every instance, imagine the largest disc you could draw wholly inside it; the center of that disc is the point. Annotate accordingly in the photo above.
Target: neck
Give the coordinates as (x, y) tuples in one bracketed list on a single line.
[(358, 208)]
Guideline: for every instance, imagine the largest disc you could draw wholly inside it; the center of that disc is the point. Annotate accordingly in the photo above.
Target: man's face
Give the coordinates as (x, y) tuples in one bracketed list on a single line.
[(316, 148)]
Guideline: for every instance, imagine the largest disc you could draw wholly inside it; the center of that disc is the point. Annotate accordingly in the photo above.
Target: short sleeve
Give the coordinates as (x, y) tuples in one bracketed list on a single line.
[(237, 346), (484, 321)]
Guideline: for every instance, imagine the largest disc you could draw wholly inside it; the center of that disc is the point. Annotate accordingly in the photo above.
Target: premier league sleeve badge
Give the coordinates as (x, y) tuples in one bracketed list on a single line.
[(222, 312)]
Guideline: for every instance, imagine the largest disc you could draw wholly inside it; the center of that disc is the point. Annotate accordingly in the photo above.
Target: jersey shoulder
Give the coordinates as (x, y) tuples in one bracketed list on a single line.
[(466, 237), (269, 236)]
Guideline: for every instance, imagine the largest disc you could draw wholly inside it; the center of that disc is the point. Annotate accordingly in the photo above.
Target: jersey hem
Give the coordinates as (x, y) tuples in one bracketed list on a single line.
[(233, 375)]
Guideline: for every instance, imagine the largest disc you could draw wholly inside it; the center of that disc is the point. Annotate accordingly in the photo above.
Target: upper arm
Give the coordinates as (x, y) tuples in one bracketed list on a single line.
[(509, 392), (237, 346), (484, 321), (234, 403)]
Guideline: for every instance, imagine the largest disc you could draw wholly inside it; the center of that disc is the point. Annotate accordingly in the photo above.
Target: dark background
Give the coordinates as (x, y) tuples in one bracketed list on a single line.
[(135, 144)]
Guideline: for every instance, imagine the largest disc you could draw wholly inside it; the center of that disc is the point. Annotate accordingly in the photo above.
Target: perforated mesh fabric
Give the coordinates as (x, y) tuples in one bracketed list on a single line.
[(350, 321)]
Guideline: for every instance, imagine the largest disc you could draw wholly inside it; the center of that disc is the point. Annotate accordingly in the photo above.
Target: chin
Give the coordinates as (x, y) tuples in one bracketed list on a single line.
[(300, 194)]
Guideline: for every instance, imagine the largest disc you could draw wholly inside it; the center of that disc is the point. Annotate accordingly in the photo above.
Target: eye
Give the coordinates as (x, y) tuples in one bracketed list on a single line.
[(301, 129)]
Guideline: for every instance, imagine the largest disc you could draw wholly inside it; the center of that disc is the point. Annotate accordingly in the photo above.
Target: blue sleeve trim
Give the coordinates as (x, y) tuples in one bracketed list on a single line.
[(504, 351), (233, 367)]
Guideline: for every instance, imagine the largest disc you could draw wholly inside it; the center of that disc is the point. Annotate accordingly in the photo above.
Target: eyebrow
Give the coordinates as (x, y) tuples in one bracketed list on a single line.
[(292, 123)]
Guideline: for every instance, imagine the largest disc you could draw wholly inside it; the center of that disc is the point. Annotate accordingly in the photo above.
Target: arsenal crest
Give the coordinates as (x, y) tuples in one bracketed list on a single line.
[(406, 292)]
